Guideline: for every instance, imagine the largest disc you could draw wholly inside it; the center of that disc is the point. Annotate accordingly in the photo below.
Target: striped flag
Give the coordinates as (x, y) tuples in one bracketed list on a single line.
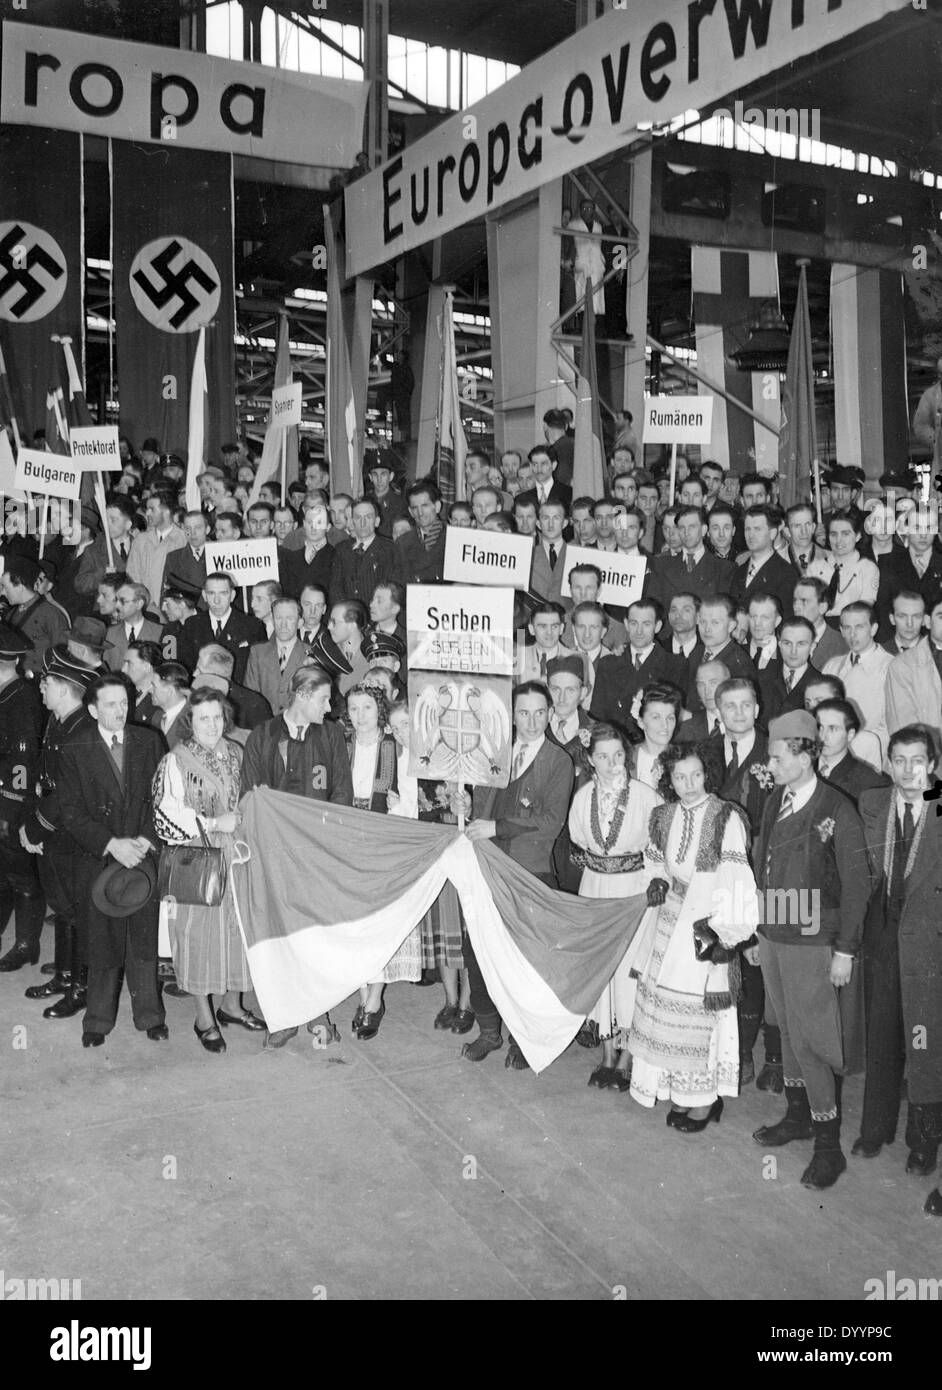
[(269, 467), (545, 956), (344, 453), (798, 445), (8, 419), (868, 335), (729, 289), (588, 456), (451, 447), (196, 430)]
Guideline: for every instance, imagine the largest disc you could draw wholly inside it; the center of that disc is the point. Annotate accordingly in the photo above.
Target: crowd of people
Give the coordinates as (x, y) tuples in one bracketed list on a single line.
[(751, 744)]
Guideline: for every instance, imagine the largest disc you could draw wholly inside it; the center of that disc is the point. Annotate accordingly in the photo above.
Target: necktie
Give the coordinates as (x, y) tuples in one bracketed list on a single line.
[(282, 659), (636, 660), (824, 770), (215, 628), (543, 664), (552, 557), (733, 765), (117, 754), (802, 560), (908, 828), (519, 757), (789, 680), (750, 573), (854, 658), (786, 807), (689, 562)]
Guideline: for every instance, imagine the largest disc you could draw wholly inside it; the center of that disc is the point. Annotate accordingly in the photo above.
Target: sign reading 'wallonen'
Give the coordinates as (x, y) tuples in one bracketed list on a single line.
[(248, 562), (642, 63)]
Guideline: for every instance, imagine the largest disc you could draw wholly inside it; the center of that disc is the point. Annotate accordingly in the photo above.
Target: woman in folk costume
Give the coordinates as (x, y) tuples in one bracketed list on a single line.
[(373, 764), (608, 828), (197, 784), (440, 928), (658, 714), (684, 1039)]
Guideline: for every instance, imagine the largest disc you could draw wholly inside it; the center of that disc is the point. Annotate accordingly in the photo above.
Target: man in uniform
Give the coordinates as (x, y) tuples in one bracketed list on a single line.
[(20, 728)]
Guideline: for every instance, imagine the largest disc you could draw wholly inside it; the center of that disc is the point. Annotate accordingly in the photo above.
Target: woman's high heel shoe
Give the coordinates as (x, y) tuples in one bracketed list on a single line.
[(688, 1126), (243, 1020), (211, 1044)]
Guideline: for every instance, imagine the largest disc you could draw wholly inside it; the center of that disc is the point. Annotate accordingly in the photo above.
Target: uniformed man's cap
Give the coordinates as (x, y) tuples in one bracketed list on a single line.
[(23, 570), (376, 644), (326, 654), (847, 475), (565, 666), (88, 632), (179, 589), (13, 644), (59, 661)]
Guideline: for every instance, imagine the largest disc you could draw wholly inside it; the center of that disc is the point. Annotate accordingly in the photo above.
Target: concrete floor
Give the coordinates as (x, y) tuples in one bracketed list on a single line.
[(394, 1169)]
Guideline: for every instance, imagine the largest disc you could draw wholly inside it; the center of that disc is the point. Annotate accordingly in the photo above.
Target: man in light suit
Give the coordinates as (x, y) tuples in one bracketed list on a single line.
[(130, 601), (549, 552), (545, 627), (914, 680), (525, 821), (272, 664), (863, 670)]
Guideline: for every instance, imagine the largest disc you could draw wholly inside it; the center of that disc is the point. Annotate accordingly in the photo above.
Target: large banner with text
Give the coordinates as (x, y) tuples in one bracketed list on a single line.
[(41, 279), (173, 273)]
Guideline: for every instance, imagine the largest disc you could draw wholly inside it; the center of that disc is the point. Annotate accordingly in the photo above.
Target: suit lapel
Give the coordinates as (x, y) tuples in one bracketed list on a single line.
[(105, 758)]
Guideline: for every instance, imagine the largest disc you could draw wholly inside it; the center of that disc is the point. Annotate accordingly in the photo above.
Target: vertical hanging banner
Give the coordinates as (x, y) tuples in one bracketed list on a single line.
[(41, 273), (729, 289), (173, 275)]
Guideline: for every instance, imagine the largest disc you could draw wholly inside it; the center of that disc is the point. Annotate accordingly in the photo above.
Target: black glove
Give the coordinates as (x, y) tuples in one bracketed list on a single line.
[(657, 891)]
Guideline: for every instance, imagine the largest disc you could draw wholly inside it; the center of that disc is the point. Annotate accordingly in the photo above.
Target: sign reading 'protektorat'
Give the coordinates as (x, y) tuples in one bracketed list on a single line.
[(95, 447)]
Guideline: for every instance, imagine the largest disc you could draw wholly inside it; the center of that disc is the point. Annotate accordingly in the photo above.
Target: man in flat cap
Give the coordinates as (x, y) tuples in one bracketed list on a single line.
[(20, 727), (811, 837), (30, 613), (63, 687)]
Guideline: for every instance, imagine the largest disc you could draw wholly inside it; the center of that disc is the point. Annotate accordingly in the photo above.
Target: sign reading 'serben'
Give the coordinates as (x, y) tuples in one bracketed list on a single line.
[(135, 91), (644, 61)]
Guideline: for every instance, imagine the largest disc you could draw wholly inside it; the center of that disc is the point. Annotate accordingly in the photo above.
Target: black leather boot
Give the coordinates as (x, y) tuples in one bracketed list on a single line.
[(74, 1002), (57, 984), (828, 1161), (771, 1078), (796, 1123)]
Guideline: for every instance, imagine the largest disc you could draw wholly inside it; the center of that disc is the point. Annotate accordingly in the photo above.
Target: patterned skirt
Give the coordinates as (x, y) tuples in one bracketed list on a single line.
[(441, 933), (680, 1051), (208, 951)]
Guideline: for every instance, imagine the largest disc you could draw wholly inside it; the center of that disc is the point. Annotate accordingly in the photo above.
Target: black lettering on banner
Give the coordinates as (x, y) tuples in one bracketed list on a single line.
[(581, 83), (696, 14), (743, 15), (532, 115), (466, 191), (34, 63), (495, 172), (77, 93), (255, 125), (615, 90), (419, 217), (390, 198), (160, 84), (798, 13), (653, 58), (445, 166)]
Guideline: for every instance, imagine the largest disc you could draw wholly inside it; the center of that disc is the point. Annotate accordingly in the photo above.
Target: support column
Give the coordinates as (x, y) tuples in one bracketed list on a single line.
[(868, 345), (637, 290), (523, 254), (428, 373), (375, 72)]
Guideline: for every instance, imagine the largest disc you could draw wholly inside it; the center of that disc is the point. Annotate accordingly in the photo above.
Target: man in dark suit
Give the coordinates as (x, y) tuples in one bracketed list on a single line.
[(644, 661), (907, 620), (365, 559), (525, 821), (902, 952), (21, 724), (706, 723), (783, 683), (421, 553), (810, 835), (696, 570), (919, 567), (715, 624), (105, 798), (186, 568), (810, 600), (543, 464), (569, 726), (223, 625), (838, 725), (314, 561), (765, 572)]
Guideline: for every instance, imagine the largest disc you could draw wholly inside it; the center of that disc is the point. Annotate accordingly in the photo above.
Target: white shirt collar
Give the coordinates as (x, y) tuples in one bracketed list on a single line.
[(642, 652), (802, 797), (901, 804), (829, 764), (109, 737), (744, 746), (529, 757), (565, 729)]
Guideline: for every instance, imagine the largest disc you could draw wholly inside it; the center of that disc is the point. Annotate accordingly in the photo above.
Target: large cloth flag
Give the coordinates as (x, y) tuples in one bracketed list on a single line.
[(41, 262), (66, 408), (172, 212), (868, 337), (344, 452), (799, 441), (451, 444), (8, 420), (729, 289), (313, 936), (588, 457), (269, 467), (196, 433)]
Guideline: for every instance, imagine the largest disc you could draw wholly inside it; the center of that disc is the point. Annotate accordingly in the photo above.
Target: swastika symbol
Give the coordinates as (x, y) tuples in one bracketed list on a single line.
[(175, 285), (33, 273)]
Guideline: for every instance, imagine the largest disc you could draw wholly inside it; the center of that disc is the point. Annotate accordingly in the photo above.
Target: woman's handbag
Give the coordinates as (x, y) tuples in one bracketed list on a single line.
[(194, 875)]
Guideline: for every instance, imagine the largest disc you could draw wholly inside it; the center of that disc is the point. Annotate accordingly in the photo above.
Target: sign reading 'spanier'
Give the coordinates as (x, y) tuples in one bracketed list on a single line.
[(248, 562), (487, 557)]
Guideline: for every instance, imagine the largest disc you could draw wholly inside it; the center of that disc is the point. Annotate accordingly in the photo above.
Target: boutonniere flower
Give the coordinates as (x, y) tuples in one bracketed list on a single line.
[(525, 802), (825, 829), (636, 705), (762, 773), (585, 737)]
